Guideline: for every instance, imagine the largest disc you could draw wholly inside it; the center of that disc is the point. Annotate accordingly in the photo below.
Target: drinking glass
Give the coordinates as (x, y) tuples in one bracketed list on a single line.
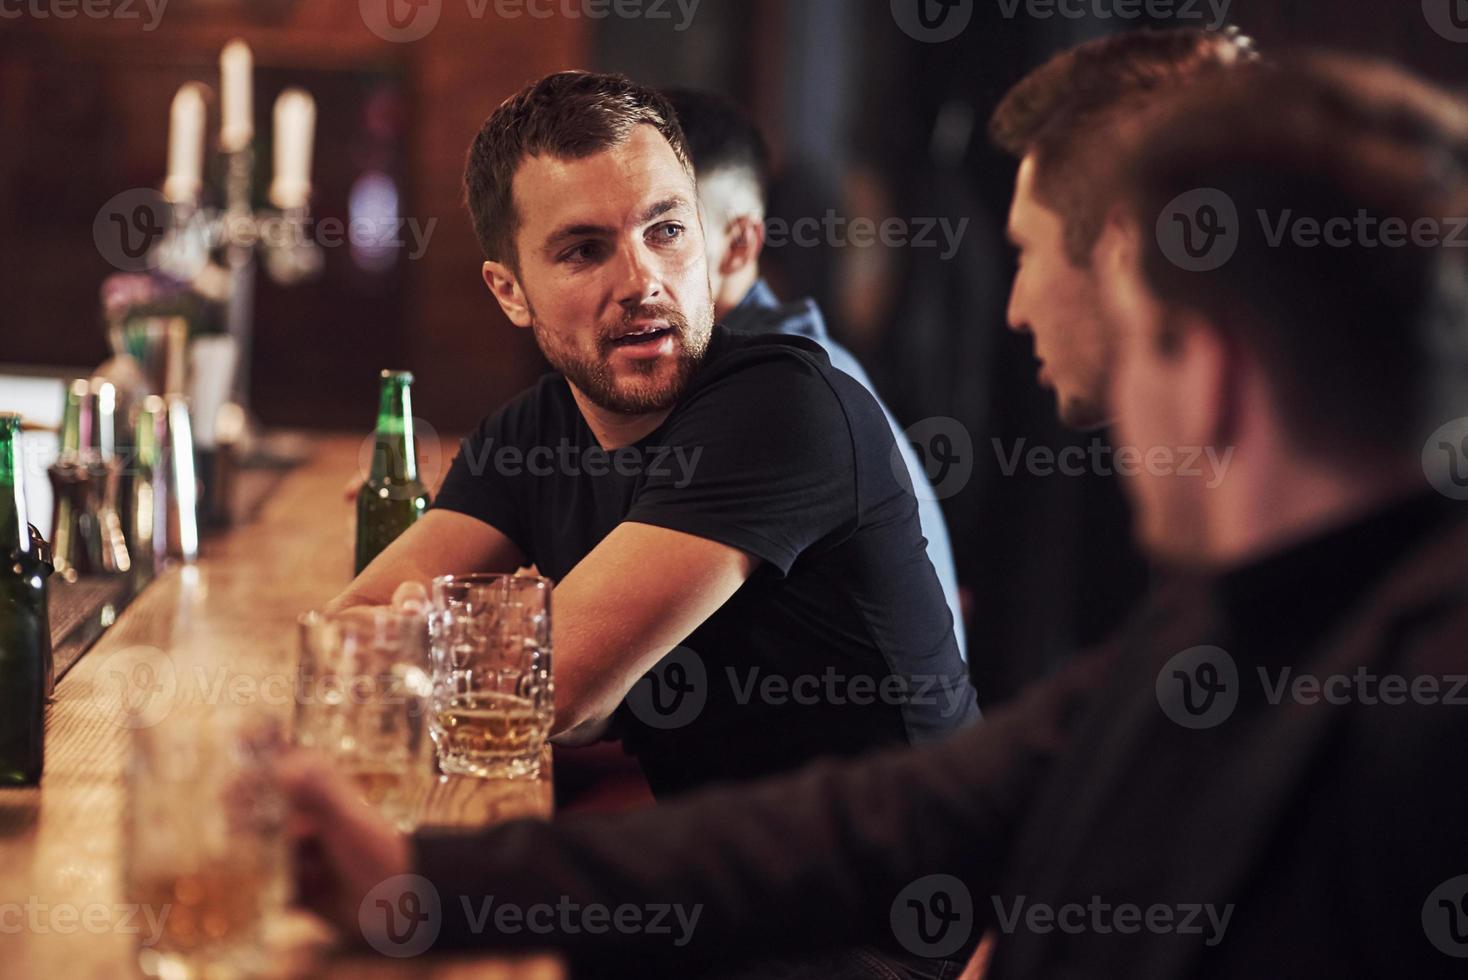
[(204, 845), (363, 699), (493, 700)]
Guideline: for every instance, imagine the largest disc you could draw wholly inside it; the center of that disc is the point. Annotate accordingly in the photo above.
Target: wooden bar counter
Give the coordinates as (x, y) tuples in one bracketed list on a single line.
[(61, 902)]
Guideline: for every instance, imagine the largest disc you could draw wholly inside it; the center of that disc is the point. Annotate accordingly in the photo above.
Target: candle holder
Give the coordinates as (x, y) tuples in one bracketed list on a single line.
[(216, 252)]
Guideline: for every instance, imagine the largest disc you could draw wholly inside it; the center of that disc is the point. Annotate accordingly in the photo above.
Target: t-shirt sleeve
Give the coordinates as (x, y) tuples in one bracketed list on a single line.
[(476, 487), (760, 459)]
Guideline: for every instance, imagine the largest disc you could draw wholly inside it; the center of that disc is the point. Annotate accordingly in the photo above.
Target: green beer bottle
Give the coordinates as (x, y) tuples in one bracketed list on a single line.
[(45, 568), (23, 639), (393, 497), (75, 548)]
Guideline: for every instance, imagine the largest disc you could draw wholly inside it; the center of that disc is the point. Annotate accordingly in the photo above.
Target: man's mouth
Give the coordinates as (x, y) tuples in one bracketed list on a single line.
[(642, 335)]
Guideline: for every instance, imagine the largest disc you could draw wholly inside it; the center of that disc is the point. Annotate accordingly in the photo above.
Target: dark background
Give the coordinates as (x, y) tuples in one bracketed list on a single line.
[(864, 120)]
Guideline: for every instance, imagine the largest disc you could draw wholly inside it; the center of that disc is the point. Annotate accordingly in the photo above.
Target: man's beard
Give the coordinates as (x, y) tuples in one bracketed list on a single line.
[(1085, 406), (595, 379), (1083, 413)]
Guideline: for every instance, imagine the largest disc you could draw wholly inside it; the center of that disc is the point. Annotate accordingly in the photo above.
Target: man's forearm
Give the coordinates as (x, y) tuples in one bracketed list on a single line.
[(808, 859), (440, 542), (641, 591)]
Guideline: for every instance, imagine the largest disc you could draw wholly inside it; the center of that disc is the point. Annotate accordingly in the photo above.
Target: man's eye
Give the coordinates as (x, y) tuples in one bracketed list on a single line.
[(585, 252), (668, 232)]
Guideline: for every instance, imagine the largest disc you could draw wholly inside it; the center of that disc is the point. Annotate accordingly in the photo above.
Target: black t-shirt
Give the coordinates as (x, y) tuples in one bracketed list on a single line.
[(839, 642)]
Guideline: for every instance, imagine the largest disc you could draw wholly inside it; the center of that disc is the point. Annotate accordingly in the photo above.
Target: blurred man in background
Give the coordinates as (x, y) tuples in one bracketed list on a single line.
[(732, 164), (1055, 123)]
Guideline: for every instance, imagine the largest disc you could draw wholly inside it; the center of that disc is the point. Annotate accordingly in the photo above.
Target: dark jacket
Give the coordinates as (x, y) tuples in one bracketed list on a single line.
[(1328, 838)]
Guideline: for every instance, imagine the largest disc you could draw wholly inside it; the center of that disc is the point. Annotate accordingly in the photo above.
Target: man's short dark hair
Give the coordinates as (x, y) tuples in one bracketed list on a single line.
[(1362, 341), (721, 137), (1064, 111), (570, 115)]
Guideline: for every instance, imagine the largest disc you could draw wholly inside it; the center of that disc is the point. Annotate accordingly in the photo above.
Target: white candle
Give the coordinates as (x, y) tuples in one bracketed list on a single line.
[(185, 145), (295, 124), (236, 68)]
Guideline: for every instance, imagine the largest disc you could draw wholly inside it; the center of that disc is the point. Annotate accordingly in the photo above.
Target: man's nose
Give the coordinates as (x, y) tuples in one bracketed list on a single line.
[(1014, 315), (638, 280)]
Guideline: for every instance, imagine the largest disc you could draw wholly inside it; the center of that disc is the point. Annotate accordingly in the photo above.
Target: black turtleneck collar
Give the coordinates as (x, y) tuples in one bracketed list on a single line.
[(1276, 602)]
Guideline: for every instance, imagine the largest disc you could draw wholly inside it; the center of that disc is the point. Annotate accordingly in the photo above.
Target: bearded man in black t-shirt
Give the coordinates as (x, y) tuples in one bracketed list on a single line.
[(742, 581)]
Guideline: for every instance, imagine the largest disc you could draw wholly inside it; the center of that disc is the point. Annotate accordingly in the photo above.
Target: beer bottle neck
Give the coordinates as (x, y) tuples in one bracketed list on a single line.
[(146, 437), (14, 533), (394, 457), (71, 419)]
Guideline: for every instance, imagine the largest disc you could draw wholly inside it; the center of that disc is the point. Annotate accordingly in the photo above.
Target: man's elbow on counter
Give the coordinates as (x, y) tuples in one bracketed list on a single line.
[(582, 718)]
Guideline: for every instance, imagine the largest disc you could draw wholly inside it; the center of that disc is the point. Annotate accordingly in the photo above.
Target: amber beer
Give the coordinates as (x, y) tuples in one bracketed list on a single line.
[(382, 786), (365, 703), (204, 849), (491, 730), (202, 914), (392, 787), (393, 497)]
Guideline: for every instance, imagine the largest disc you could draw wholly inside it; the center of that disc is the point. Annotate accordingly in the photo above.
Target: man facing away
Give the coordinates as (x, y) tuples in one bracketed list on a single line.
[(718, 508), (1055, 122), (731, 163), (1260, 776)]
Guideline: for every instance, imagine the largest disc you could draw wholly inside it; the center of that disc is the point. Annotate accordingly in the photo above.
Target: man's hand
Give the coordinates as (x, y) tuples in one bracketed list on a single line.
[(439, 543), (343, 849), (408, 597)]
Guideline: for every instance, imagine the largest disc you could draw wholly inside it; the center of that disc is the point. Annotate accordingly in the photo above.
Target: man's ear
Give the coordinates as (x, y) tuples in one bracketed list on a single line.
[(746, 239), (1210, 377), (505, 285)]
